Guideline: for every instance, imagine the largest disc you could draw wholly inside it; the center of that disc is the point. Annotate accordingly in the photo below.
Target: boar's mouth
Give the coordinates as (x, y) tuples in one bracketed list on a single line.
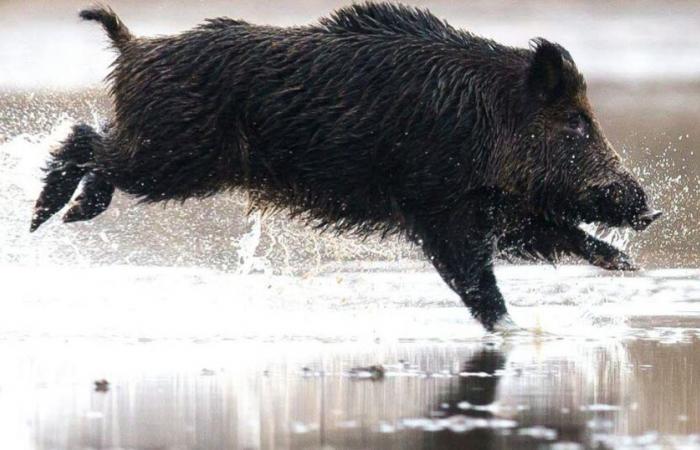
[(619, 203), (603, 228), (602, 210), (638, 217)]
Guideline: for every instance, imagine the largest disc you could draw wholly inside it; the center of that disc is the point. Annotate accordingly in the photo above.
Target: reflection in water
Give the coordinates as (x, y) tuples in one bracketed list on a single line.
[(517, 394), (475, 398)]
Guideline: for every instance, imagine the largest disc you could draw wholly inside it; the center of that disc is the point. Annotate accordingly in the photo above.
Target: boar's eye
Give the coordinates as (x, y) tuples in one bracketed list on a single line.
[(577, 124)]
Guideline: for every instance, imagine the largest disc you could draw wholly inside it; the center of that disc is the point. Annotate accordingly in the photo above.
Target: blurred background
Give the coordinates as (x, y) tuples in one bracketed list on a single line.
[(641, 60)]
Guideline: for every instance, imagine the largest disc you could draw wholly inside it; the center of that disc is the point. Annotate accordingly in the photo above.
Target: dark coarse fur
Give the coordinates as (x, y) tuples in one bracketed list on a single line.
[(381, 118)]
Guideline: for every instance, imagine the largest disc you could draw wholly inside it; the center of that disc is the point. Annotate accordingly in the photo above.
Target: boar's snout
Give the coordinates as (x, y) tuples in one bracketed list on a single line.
[(623, 203)]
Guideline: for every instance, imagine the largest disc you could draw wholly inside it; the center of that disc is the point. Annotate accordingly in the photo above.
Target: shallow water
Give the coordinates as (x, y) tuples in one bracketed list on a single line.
[(196, 358)]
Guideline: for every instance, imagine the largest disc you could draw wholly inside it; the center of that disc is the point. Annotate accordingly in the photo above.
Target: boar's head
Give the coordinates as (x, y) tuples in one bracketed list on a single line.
[(565, 164)]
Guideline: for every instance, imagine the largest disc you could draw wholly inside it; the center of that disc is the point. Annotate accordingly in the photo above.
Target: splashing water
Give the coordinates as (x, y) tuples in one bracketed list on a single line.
[(21, 159), (247, 246)]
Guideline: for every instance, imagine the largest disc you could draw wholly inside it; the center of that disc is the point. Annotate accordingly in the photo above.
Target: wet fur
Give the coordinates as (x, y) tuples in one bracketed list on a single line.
[(379, 119)]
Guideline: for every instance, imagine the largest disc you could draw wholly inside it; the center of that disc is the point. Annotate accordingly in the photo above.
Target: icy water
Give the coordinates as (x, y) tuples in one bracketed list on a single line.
[(196, 327)]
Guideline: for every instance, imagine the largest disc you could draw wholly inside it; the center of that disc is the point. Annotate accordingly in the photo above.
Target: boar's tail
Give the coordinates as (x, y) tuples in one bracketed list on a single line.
[(115, 28), (68, 164)]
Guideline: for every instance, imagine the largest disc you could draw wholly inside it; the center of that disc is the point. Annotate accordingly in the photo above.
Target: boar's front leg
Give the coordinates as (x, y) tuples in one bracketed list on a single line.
[(600, 253), (462, 253), (537, 239)]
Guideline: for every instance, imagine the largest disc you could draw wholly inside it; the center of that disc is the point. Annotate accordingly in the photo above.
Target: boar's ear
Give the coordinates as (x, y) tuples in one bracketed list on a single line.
[(547, 77)]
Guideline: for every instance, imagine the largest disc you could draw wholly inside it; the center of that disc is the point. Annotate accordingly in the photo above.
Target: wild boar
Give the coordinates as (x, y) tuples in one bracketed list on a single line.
[(381, 118)]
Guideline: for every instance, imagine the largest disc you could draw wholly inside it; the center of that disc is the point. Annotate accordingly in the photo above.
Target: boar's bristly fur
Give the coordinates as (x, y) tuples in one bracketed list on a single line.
[(381, 118)]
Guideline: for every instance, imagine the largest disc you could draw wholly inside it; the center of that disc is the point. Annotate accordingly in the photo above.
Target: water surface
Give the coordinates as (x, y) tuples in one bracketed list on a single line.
[(383, 359)]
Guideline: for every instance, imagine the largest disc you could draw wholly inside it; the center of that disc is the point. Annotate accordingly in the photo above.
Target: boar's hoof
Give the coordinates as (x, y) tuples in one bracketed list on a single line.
[(606, 256), (617, 261), (506, 326)]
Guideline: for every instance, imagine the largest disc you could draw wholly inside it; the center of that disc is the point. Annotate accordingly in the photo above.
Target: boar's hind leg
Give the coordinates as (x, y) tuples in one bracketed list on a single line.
[(466, 265)]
